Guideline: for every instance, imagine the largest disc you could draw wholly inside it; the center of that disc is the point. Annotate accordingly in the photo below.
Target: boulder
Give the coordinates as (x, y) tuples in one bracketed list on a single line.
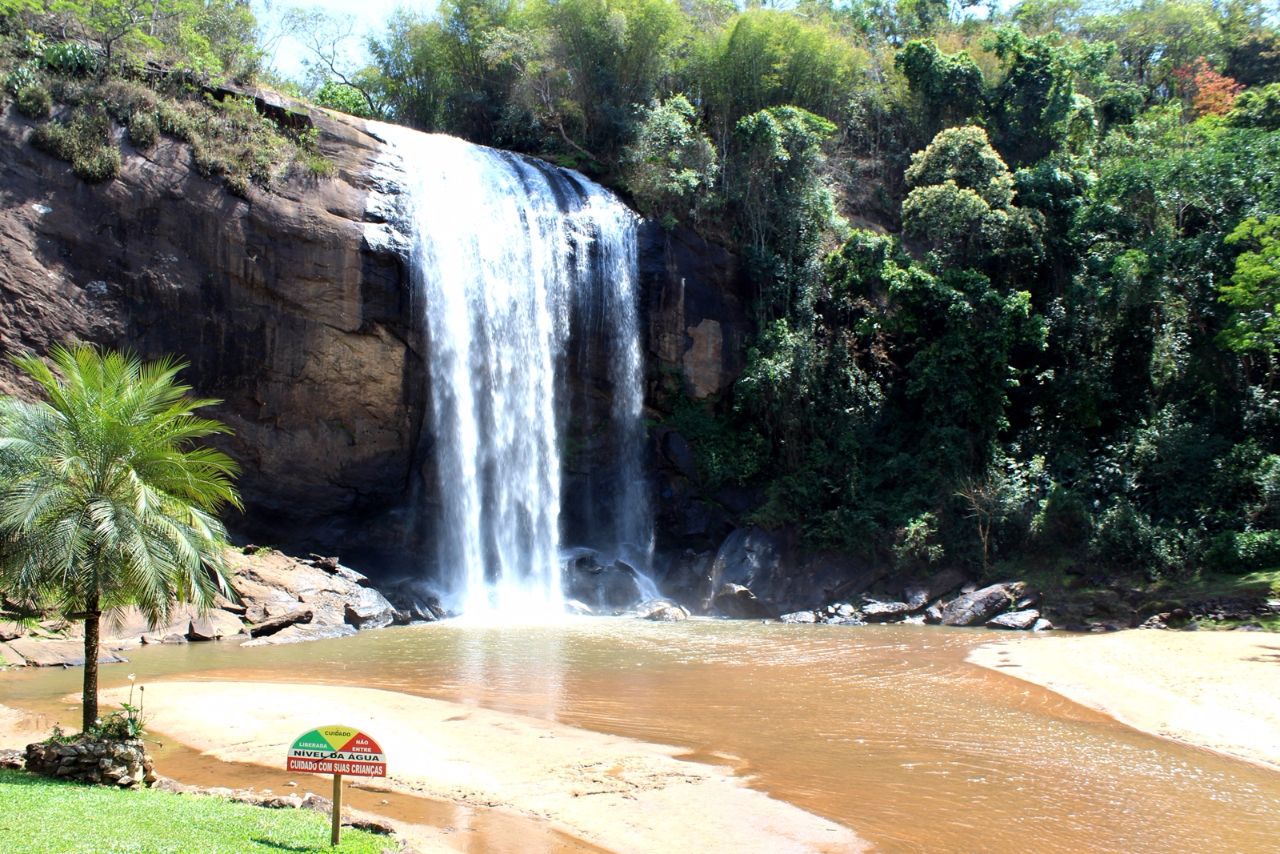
[(1019, 620), (214, 625), (739, 603), (10, 630), (368, 609), (275, 625), (749, 557), (885, 612), (971, 609), (602, 587), (799, 617), (917, 596), (1042, 625), (944, 581), (933, 613), (302, 632), (578, 609), (55, 653), (11, 759), (661, 611)]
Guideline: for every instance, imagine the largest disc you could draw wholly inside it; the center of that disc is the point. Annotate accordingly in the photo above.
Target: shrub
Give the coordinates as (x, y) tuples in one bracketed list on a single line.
[(72, 58), (123, 98), (20, 78), (1244, 551), (176, 122), (101, 164), (34, 102), (144, 130), (85, 142)]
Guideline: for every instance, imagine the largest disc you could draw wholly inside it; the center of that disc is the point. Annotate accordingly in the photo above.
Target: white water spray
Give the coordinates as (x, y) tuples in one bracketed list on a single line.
[(506, 252)]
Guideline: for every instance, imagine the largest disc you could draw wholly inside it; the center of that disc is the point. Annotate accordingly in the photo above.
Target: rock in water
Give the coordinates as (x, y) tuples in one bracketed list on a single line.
[(1020, 620), (970, 609), (799, 617), (884, 612), (276, 624), (739, 603), (661, 611), (301, 632), (368, 609)]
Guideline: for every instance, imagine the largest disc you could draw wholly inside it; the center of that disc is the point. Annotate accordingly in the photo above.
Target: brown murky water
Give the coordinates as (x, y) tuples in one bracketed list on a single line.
[(885, 729)]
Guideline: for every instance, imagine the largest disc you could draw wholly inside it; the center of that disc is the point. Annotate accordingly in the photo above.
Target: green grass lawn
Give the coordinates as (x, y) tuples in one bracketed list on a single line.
[(47, 816)]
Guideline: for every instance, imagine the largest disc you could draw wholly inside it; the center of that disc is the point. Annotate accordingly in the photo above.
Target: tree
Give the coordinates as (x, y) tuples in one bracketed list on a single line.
[(961, 203), (671, 167), (1254, 292), (106, 500), (949, 87), (327, 39)]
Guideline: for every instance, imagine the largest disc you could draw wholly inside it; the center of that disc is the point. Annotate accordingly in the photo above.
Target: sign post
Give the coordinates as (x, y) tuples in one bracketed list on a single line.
[(337, 750)]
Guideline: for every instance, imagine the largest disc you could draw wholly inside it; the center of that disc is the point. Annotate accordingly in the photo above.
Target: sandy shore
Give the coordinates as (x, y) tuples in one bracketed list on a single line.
[(1218, 690), (621, 794), (18, 729)]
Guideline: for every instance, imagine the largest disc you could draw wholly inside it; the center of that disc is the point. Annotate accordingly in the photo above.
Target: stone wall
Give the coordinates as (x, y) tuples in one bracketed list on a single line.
[(120, 763)]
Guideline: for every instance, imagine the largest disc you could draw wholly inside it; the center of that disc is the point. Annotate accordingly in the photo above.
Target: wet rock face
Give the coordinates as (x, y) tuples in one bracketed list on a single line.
[(695, 301), (602, 588)]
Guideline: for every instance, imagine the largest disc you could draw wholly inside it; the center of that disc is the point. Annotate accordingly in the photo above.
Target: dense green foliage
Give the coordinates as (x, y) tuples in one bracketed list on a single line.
[(1060, 337), (58, 817), (1052, 331), (105, 500)]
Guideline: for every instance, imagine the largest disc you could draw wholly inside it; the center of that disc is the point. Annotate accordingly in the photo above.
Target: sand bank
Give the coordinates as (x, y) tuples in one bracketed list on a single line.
[(1218, 690), (18, 728), (618, 793)]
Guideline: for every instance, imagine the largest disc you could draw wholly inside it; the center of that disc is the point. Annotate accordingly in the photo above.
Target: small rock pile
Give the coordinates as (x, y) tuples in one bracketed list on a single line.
[(1008, 605), (120, 763)]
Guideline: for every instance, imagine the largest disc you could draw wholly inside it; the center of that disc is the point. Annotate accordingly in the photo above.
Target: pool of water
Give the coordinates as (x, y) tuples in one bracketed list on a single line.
[(885, 728)]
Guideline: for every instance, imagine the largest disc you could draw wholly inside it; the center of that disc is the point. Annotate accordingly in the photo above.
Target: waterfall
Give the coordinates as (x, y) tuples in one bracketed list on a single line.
[(509, 255)]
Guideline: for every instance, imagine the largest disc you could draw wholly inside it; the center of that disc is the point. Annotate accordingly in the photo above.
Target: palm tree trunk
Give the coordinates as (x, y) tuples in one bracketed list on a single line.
[(91, 618)]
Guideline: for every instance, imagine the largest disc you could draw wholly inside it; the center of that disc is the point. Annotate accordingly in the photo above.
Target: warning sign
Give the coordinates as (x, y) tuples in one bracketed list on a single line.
[(337, 750)]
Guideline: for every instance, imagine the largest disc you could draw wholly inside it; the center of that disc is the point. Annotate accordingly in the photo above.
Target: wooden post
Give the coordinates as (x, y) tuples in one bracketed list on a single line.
[(336, 836)]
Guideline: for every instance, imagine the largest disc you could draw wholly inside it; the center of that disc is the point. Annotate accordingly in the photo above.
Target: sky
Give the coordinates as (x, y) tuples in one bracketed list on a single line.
[(369, 16)]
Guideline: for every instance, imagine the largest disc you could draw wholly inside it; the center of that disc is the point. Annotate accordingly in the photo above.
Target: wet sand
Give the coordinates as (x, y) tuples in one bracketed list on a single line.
[(619, 793), (1216, 690)]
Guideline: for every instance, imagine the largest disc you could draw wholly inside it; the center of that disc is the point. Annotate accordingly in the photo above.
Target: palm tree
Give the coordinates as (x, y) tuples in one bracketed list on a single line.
[(105, 500)]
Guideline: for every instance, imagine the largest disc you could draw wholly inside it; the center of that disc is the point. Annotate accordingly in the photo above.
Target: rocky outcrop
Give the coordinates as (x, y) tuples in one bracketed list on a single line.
[(282, 600), (288, 600), (291, 306)]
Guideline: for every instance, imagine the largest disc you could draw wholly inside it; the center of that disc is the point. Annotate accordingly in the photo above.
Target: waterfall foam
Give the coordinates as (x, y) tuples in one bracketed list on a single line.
[(508, 254)]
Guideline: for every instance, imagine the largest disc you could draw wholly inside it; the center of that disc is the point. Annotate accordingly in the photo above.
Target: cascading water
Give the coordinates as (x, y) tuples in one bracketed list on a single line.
[(508, 254)]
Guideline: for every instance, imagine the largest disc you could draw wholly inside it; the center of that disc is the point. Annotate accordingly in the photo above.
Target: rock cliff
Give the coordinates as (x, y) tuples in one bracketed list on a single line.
[(294, 308)]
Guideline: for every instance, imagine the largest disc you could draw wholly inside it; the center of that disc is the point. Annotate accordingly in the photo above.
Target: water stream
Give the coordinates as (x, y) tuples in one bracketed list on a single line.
[(885, 729), (510, 257)]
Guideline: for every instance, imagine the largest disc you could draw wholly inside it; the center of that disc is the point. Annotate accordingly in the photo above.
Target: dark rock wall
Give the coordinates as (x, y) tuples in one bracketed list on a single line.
[(295, 309), (289, 306)]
